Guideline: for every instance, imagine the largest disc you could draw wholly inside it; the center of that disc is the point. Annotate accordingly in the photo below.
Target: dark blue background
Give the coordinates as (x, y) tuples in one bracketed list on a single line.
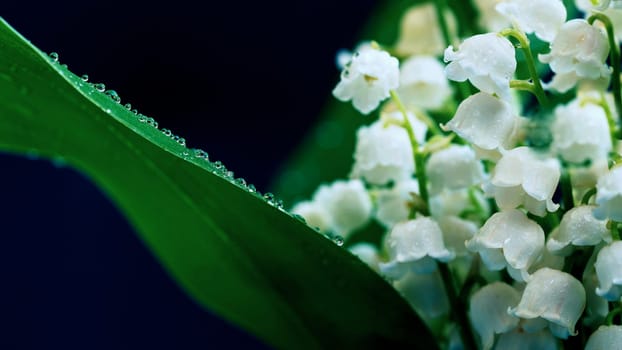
[(243, 80)]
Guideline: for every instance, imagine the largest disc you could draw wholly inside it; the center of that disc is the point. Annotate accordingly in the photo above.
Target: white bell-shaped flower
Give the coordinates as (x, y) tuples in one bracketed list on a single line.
[(393, 116), (581, 132), (597, 307), (578, 51), (368, 253), (393, 205), (522, 177), (591, 5), (609, 195), (420, 32), (347, 202), (486, 60), (584, 179), (508, 239), (459, 202), (314, 213), (383, 153), (608, 271), (456, 232), (489, 311), (520, 340), (425, 293), (423, 83), (489, 18), (454, 168), (541, 17), (368, 79), (344, 56), (578, 227), (485, 121), (415, 239), (555, 296), (605, 338)]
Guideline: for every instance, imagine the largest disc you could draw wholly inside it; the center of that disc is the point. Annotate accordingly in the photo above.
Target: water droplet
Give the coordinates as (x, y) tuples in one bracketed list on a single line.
[(201, 154), (251, 188), (300, 218), (65, 66), (100, 87), (152, 122), (142, 118), (229, 175), (128, 106), (240, 182), (185, 154), (279, 204), (53, 56), (85, 77), (218, 165), (135, 111), (167, 132), (269, 197), (338, 240), (182, 141), (113, 95)]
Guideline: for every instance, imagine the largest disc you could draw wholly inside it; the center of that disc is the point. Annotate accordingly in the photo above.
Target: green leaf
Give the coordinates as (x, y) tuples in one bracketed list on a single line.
[(233, 253)]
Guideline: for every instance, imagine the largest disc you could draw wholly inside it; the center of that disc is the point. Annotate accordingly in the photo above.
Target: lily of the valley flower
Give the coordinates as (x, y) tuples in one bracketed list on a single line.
[(486, 60), (509, 239), (383, 153), (368, 253), (518, 339), (489, 17), (425, 292), (415, 239), (314, 213), (393, 205), (609, 195), (605, 337), (485, 121), (423, 83), (541, 17), (453, 168), (590, 5), (347, 203), (578, 52), (521, 177), (581, 132), (368, 79), (420, 33), (608, 271), (578, 227), (554, 296), (489, 311)]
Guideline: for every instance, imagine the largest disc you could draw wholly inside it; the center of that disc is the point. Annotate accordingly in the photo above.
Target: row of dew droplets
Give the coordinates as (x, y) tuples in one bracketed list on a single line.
[(217, 167)]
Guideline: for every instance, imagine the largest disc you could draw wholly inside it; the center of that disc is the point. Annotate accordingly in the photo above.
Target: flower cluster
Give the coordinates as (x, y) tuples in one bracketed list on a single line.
[(504, 187)]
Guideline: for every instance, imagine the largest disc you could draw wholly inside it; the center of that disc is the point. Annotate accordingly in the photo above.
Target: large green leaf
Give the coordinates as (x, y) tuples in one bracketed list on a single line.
[(226, 246)]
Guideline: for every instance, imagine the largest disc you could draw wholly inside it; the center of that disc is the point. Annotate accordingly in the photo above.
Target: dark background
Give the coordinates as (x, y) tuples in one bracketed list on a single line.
[(244, 80)]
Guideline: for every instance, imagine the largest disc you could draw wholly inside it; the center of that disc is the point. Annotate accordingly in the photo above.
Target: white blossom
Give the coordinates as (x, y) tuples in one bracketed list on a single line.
[(415, 239), (509, 239), (489, 17), (314, 214), (520, 340), (609, 195), (590, 5), (454, 168), (581, 132), (489, 311), (456, 203), (392, 205), (486, 60), (367, 252), (348, 204), (605, 338), (392, 116), (608, 271), (423, 83), (541, 17), (578, 227), (420, 32), (425, 292), (597, 307), (554, 296), (383, 153), (578, 51), (521, 177), (485, 121), (368, 79), (456, 232)]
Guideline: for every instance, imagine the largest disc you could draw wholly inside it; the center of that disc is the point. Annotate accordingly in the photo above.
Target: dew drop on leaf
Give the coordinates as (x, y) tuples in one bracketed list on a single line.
[(113, 95), (85, 77), (53, 56), (100, 87)]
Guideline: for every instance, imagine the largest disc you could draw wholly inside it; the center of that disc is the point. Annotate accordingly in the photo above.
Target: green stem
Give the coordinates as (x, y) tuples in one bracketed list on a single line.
[(459, 312), (419, 157), (611, 121), (566, 189), (523, 41), (615, 232), (586, 197), (615, 59)]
